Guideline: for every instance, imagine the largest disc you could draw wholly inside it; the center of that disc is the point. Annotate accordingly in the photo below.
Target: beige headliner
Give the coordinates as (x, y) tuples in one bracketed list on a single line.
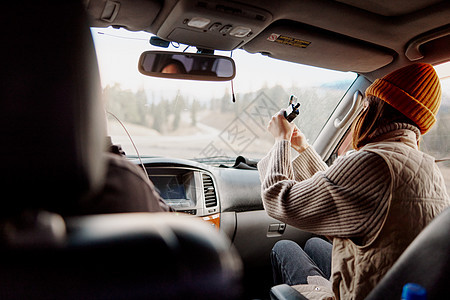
[(370, 37)]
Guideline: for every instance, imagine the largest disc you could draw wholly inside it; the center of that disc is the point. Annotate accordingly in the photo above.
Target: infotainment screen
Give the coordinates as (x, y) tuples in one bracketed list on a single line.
[(169, 187), (172, 189)]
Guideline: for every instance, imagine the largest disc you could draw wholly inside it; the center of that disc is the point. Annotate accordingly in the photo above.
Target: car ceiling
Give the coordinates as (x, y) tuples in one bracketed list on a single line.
[(369, 37)]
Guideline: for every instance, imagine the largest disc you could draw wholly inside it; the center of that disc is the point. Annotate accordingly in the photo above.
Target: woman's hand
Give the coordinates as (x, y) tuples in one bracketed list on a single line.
[(298, 140), (280, 128)]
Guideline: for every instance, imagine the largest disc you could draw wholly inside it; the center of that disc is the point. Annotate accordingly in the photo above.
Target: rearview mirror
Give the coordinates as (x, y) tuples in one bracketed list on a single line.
[(193, 66)]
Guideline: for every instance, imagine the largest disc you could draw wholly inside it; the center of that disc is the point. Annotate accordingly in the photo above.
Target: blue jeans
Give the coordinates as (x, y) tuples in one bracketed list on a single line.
[(292, 265)]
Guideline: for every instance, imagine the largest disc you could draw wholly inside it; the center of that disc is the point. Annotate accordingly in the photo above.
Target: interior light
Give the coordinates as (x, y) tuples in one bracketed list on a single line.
[(240, 31), (198, 22)]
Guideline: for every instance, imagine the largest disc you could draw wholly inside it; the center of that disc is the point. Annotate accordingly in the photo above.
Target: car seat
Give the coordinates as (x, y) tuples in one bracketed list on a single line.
[(426, 261), (52, 128)]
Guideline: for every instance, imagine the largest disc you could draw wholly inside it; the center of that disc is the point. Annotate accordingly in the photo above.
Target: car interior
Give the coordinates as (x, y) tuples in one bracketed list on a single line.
[(216, 243)]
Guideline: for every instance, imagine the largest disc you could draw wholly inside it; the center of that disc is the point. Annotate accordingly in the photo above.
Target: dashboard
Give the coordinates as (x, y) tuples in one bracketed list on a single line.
[(185, 188), (230, 200), (201, 189)]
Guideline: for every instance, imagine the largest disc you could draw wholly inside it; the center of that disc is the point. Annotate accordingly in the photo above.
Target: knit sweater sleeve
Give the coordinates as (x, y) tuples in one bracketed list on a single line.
[(347, 200), (308, 163)]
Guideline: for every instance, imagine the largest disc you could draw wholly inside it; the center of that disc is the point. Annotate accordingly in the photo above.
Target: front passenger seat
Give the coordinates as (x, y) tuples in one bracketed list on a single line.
[(426, 261), (52, 143)]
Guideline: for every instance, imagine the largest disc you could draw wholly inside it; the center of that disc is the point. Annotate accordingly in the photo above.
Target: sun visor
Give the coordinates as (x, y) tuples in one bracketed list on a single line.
[(134, 15), (308, 45)]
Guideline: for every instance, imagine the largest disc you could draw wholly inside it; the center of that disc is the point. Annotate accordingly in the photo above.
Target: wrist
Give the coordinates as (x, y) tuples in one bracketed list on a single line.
[(282, 138), (300, 148)]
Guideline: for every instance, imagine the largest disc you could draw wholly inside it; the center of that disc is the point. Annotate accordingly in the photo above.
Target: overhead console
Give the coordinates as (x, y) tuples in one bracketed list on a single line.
[(218, 25), (317, 47)]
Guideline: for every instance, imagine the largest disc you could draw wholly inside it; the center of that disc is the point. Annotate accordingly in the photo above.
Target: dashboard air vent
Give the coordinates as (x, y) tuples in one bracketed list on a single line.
[(210, 193)]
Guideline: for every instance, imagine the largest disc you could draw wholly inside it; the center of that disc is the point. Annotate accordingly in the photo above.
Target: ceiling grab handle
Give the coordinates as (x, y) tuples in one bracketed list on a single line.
[(356, 105), (413, 52)]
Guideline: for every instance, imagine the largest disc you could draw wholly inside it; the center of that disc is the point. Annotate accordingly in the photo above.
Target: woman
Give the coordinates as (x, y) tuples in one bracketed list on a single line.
[(371, 204)]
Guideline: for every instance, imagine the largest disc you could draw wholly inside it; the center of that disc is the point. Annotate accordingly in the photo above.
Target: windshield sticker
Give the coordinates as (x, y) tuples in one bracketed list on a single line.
[(286, 40)]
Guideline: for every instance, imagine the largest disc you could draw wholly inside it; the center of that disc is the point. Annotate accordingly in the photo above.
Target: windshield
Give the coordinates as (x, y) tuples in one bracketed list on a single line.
[(195, 119)]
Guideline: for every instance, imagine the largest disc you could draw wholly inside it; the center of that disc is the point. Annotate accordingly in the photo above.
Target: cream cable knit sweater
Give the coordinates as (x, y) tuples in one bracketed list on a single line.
[(348, 199)]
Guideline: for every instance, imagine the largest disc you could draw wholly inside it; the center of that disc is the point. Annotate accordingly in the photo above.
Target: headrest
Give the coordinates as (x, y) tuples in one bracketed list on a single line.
[(51, 120)]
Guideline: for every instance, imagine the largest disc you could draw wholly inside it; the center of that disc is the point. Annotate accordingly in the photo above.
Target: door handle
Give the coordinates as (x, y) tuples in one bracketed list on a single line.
[(356, 104)]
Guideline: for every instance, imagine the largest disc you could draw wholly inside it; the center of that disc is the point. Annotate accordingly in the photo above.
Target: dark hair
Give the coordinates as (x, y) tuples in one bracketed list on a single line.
[(376, 115)]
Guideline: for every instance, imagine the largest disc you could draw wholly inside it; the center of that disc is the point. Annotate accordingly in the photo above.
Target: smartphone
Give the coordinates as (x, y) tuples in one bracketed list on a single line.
[(292, 110)]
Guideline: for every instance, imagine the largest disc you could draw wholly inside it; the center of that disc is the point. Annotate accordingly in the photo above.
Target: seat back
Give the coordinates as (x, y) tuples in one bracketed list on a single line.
[(51, 118), (125, 256), (426, 261)]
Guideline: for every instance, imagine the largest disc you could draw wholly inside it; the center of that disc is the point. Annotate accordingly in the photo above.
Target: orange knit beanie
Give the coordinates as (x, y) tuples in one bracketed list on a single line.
[(413, 90)]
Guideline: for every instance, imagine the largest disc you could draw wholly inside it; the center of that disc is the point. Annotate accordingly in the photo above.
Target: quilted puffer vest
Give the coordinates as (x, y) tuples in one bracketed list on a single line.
[(418, 194)]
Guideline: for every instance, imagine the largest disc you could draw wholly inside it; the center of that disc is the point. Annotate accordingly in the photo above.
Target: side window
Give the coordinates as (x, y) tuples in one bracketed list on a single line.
[(437, 141)]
